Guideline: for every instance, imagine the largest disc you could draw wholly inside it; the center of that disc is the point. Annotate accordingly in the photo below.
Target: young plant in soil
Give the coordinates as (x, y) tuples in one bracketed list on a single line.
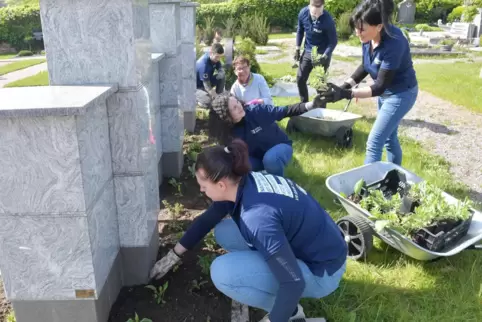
[(159, 292), (175, 211), (197, 285), (177, 185), (136, 319), (205, 261), (210, 242)]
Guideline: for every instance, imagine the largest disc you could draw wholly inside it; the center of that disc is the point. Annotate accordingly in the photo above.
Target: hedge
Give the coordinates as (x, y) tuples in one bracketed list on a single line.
[(17, 23)]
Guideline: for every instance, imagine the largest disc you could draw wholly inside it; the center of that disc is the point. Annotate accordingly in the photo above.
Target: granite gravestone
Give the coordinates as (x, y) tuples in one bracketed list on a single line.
[(406, 12)]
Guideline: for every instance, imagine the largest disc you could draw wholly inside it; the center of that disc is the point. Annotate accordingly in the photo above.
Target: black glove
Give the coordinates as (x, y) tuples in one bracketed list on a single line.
[(345, 86), (319, 101), (320, 61), (335, 93), (297, 55)]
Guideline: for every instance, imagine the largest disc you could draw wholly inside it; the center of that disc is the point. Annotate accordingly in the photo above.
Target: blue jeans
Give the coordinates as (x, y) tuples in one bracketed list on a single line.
[(391, 110), (243, 274), (274, 160)]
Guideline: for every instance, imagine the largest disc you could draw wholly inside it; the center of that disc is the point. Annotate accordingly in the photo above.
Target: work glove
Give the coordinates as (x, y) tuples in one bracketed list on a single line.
[(321, 61), (319, 101), (164, 265), (297, 55), (221, 74), (335, 93)]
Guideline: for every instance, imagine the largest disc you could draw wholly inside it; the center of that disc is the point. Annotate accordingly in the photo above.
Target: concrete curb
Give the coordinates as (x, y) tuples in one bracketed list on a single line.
[(239, 312)]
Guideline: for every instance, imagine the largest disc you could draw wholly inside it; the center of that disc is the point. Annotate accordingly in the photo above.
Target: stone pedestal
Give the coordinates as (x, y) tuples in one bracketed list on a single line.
[(166, 39), (58, 222), (188, 54)]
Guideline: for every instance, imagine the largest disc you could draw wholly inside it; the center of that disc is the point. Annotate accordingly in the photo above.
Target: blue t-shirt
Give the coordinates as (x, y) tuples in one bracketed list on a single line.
[(205, 70), (320, 33), (259, 128), (393, 53)]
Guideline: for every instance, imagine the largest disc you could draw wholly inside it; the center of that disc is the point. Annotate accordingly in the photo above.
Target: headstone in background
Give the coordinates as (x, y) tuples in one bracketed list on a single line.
[(406, 12)]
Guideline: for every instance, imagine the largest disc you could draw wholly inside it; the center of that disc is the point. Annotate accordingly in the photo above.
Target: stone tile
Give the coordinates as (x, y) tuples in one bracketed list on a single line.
[(154, 87), (188, 55), (94, 150), (104, 234), (46, 258), (39, 162), (86, 34), (188, 25), (169, 93), (188, 95), (158, 135), (172, 129), (129, 131), (165, 27), (170, 69)]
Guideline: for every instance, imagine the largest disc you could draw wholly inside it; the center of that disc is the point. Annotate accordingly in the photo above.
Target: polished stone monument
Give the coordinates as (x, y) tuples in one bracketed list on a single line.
[(406, 12)]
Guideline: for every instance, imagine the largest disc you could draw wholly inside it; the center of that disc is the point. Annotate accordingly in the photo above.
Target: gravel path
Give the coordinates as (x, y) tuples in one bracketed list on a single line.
[(442, 128)]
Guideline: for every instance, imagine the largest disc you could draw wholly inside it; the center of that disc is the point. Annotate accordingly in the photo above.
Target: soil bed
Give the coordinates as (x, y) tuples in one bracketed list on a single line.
[(190, 295)]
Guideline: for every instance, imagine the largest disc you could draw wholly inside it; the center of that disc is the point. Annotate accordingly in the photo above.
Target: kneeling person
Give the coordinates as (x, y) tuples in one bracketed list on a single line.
[(210, 75)]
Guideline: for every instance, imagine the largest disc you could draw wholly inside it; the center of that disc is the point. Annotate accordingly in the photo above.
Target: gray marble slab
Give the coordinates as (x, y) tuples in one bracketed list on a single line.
[(39, 162), (85, 35), (94, 151), (172, 129), (45, 258), (51, 100), (104, 234), (165, 27), (188, 58), (188, 23)]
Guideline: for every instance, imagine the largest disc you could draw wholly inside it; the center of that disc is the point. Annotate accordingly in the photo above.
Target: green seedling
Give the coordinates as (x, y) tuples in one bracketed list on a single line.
[(159, 292), (210, 241), (192, 170), (318, 77), (177, 185), (205, 262), (11, 317), (175, 211), (358, 186), (136, 319), (197, 285)]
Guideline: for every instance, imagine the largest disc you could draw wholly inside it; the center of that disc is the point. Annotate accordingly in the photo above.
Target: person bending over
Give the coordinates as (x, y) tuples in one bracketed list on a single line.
[(210, 75)]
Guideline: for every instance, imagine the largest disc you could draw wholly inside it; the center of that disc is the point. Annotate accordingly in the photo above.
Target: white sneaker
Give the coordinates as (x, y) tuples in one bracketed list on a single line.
[(299, 316)]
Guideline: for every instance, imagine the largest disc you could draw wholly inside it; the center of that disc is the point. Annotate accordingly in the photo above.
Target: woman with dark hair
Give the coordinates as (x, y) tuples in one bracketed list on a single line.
[(282, 245), (387, 59), (269, 147)]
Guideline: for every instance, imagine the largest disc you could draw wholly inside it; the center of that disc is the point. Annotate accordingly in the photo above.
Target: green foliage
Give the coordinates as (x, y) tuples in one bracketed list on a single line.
[(230, 27), (11, 317), (208, 31), (25, 53), (433, 208), (17, 24), (469, 13), (432, 10), (456, 14), (337, 7), (205, 262), (343, 28), (425, 27), (318, 77), (158, 293), (22, 2), (136, 319)]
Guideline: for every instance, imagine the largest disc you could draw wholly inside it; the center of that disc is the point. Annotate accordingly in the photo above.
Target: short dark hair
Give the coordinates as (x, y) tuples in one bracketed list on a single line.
[(231, 161), (217, 48), (317, 3), (241, 60), (373, 12)]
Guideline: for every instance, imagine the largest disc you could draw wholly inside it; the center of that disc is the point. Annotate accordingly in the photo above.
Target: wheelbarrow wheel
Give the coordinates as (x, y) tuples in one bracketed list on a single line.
[(358, 236), (344, 137), (290, 127)]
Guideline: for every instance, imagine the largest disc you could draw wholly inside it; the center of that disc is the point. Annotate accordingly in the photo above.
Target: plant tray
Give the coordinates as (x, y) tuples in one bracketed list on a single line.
[(443, 235), (394, 182)]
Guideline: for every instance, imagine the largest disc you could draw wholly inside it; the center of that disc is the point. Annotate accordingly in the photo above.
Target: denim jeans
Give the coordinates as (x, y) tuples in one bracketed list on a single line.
[(274, 160), (391, 110), (243, 275)]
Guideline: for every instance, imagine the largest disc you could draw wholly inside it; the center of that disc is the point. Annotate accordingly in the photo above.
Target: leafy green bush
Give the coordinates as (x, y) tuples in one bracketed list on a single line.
[(24, 53), (425, 27), (17, 24), (456, 14), (432, 10), (231, 27), (469, 13), (343, 28)]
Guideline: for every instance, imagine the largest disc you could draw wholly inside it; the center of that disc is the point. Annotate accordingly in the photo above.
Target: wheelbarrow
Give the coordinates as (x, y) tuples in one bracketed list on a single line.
[(359, 229), (327, 123)]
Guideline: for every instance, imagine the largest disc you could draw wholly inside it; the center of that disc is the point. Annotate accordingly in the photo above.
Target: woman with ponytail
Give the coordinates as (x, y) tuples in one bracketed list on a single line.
[(387, 59), (282, 245)]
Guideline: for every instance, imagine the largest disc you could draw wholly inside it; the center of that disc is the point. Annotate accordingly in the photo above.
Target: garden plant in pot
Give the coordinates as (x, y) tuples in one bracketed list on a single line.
[(418, 211), (447, 44)]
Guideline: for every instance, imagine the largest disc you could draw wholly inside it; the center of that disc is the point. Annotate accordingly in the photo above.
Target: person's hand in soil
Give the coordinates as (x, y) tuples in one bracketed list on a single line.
[(164, 265)]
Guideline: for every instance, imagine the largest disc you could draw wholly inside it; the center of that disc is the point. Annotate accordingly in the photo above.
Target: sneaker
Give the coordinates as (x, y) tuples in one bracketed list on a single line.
[(299, 316)]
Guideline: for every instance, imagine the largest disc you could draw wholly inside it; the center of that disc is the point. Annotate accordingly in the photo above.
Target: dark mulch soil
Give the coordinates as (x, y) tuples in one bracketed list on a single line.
[(190, 294)]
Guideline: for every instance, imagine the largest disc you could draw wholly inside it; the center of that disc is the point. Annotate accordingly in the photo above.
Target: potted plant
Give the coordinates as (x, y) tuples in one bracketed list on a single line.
[(447, 44)]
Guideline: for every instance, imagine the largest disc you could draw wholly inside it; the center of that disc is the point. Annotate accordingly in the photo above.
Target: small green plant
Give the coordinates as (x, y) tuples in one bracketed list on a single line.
[(192, 170), (158, 293), (318, 77), (209, 31), (11, 317), (343, 28), (24, 53), (177, 185), (230, 26), (196, 285), (175, 211), (136, 319), (205, 262), (210, 241)]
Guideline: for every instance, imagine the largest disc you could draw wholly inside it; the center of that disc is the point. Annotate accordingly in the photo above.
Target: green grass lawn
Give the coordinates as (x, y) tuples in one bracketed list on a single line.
[(18, 65), (281, 35), (458, 83), (389, 286), (40, 79), (7, 56)]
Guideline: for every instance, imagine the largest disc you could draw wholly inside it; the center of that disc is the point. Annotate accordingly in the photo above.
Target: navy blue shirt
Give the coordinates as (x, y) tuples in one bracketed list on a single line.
[(283, 223), (259, 129), (393, 53), (320, 33), (205, 70)]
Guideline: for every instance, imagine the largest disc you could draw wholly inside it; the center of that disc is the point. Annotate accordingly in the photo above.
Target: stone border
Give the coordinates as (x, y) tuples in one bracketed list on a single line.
[(239, 312)]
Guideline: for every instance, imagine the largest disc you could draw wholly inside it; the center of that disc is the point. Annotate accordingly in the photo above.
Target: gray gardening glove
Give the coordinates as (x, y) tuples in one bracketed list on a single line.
[(164, 265), (221, 74)]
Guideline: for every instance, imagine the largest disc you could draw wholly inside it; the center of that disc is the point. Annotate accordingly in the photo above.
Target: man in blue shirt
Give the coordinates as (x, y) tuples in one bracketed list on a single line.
[(210, 75), (318, 28)]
